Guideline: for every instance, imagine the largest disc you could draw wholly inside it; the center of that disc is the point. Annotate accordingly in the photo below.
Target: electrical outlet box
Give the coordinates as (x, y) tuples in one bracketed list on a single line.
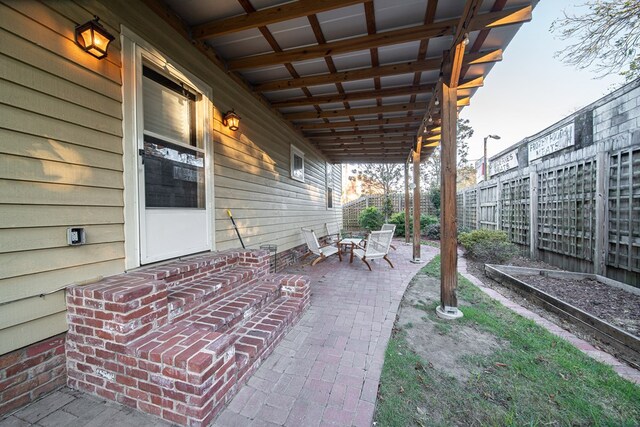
[(76, 236)]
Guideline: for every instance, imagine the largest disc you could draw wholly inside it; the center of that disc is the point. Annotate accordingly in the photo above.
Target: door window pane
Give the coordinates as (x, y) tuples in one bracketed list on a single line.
[(173, 175)]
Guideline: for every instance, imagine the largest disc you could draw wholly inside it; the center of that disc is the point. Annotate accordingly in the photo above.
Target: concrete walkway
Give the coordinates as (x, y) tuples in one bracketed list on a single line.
[(325, 371)]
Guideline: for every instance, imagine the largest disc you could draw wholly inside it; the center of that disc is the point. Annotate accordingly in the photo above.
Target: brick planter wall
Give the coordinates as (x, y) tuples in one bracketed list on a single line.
[(30, 372), (174, 340)]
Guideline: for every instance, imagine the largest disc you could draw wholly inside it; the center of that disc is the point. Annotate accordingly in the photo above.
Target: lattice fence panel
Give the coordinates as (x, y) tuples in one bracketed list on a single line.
[(514, 209), (488, 201), (624, 210), (470, 209), (460, 209), (351, 210), (566, 209)]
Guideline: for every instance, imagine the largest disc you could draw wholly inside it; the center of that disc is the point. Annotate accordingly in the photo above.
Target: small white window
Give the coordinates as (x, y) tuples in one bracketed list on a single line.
[(329, 180), (297, 164)]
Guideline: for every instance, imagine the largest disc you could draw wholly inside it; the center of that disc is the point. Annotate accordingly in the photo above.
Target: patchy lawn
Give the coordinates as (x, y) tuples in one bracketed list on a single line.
[(515, 374)]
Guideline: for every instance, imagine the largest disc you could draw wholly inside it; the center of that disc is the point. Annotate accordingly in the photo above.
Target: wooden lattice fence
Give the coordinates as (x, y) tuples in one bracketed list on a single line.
[(584, 207), (351, 210), (624, 210)]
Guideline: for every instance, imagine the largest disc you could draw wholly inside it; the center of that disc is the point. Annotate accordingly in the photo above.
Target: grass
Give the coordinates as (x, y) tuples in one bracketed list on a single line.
[(534, 379), (433, 243)]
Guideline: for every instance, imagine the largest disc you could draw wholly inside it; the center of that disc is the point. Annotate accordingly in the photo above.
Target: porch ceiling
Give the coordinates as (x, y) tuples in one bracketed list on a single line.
[(355, 77)]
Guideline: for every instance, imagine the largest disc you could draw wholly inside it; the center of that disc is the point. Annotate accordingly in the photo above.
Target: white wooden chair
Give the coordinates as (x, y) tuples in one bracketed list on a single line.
[(314, 247), (377, 247), (333, 233), (392, 227)]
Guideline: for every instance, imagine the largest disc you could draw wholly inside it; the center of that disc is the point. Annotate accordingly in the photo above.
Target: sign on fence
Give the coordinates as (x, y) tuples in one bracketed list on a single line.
[(504, 163), (555, 141), (480, 169)]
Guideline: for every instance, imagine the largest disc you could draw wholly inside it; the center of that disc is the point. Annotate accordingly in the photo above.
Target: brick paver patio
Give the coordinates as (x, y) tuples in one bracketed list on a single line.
[(326, 370)]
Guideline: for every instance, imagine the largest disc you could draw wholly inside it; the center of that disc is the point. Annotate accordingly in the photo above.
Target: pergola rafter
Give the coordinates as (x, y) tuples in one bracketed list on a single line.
[(437, 29)]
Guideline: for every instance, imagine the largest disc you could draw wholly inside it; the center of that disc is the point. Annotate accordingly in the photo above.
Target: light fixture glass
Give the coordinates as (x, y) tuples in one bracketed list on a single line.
[(465, 40), (231, 120), (93, 38)]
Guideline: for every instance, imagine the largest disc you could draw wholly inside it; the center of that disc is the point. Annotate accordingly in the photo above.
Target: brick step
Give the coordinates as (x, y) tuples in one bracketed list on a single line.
[(174, 340), (165, 343), (235, 309), (256, 339), (186, 298)]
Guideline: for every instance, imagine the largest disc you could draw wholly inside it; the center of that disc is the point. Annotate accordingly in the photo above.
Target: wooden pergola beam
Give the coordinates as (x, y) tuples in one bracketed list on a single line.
[(360, 95), (356, 111), (323, 142), (354, 96), (408, 130), (359, 123), (437, 29), (372, 151), (267, 16), (428, 64)]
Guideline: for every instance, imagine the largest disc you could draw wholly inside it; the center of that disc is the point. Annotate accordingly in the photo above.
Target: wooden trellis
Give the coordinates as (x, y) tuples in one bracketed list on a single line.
[(488, 206), (624, 210), (470, 209), (514, 209), (566, 209)]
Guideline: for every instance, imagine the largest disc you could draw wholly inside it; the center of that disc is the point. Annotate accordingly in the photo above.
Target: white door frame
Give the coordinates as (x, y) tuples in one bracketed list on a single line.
[(134, 48)]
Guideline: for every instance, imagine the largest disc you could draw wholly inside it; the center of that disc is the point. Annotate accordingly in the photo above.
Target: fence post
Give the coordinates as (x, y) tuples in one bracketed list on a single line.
[(464, 209), (498, 202), (599, 256), (533, 212), (478, 207)]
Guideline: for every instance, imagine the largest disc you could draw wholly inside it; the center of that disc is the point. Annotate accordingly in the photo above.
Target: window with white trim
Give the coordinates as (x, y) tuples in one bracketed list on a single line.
[(297, 164)]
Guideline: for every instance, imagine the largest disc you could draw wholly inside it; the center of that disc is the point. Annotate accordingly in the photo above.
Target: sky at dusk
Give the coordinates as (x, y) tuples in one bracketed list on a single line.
[(530, 89)]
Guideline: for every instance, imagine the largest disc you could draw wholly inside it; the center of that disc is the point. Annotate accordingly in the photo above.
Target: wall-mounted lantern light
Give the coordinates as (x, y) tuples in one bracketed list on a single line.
[(93, 38), (231, 120)]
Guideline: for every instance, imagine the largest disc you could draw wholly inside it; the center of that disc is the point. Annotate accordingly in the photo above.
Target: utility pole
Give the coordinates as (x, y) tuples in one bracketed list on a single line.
[(486, 159)]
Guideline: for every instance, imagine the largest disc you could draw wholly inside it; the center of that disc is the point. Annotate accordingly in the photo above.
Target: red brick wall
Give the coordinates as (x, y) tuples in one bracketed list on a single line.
[(30, 372)]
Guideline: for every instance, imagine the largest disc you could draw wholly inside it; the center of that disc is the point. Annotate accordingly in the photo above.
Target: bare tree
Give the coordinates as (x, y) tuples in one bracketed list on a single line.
[(607, 37), (430, 172)]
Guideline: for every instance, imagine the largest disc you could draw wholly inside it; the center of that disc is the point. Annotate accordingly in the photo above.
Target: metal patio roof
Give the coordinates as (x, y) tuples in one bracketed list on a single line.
[(356, 77)]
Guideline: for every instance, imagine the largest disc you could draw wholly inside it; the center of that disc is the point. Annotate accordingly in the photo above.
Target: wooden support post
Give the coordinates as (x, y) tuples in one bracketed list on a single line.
[(407, 238), (533, 213), (416, 204), (448, 231), (601, 224)]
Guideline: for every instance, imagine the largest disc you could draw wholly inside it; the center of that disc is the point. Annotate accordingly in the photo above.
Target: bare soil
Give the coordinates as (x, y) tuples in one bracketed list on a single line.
[(428, 336)]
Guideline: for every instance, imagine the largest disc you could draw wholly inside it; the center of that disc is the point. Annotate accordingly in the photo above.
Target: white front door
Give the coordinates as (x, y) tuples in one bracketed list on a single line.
[(174, 219)]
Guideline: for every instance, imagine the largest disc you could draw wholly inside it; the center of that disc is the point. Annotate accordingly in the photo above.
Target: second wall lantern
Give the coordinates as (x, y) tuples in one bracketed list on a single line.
[(231, 120), (93, 38)]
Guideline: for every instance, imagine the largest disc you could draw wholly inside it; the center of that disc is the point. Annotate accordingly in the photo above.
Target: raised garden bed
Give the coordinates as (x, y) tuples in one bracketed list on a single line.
[(609, 310)]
